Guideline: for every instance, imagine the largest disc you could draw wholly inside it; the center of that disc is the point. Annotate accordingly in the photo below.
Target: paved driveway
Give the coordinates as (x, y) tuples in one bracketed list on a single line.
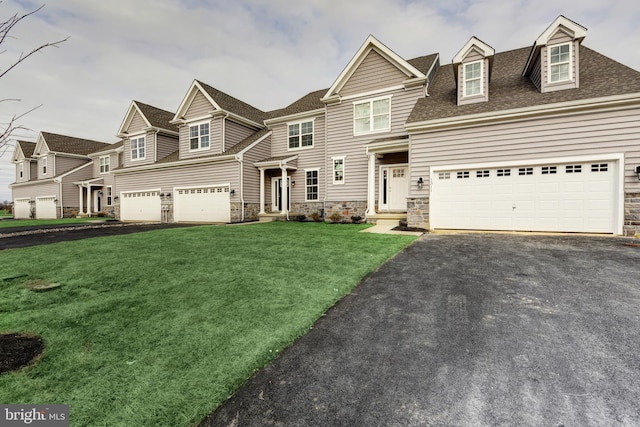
[(467, 330)]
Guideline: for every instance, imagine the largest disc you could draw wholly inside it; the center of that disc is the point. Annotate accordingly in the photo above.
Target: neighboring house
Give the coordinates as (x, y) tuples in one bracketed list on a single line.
[(46, 172), (543, 138)]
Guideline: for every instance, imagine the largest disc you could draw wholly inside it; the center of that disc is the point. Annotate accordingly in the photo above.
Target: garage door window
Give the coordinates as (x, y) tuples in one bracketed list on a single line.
[(600, 167), (525, 171), (482, 174), (573, 169), (549, 170), (503, 172)]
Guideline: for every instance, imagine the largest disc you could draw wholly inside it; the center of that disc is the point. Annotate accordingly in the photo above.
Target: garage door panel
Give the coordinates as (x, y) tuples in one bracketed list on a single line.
[(202, 204), (559, 197), (46, 207), (22, 209), (140, 206)]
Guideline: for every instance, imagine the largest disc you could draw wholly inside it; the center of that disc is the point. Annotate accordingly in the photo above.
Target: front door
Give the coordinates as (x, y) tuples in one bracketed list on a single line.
[(276, 194), (393, 188)]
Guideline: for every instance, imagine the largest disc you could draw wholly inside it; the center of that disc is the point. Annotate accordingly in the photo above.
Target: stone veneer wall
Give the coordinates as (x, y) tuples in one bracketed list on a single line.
[(307, 209), (418, 212), (251, 211), (346, 209), (631, 225)]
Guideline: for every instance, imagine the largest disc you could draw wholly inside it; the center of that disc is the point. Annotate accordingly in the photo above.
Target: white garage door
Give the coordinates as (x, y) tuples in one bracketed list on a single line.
[(573, 197), (140, 205), (202, 204), (46, 207), (21, 208)]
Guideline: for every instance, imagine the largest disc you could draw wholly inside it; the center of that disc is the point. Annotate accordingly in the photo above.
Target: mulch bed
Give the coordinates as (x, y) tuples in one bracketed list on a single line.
[(18, 350)]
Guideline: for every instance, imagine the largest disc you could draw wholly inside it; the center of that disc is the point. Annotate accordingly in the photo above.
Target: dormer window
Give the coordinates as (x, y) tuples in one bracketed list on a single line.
[(43, 165), (137, 148), (199, 136), (104, 164), (473, 78), (21, 169), (560, 63)]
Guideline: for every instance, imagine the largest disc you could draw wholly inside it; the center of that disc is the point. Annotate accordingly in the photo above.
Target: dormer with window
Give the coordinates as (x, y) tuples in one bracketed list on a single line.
[(553, 63), (472, 69)]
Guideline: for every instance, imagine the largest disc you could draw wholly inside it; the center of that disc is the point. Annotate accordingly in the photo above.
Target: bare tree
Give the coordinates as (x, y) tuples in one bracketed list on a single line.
[(12, 125)]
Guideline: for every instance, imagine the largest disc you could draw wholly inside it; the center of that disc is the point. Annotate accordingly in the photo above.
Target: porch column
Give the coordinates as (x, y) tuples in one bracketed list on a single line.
[(81, 207), (89, 200), (371, 185), (285, 191), (261, 192)]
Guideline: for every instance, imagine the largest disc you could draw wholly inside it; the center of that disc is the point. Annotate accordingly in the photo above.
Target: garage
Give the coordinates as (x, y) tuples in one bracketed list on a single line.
[(46, 207), (140, 206), (22, 208), (553, 196), (202, 204)]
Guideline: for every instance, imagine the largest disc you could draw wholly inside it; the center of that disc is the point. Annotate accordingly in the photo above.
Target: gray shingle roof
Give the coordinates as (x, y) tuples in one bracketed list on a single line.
[(423, 63), (27, 148), (599, 76), (234, 105), (72, 145), (157, 117), (309, 102)]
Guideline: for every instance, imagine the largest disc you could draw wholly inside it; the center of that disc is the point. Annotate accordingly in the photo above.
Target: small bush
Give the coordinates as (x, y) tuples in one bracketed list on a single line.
[(336, 217), (356, 219), (315, 217), (300, 218)]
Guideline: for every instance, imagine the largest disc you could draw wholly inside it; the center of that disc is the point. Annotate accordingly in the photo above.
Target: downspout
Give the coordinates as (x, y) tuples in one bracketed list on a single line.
[(241, 160), (224, 131), (60, 200), (326, 158)]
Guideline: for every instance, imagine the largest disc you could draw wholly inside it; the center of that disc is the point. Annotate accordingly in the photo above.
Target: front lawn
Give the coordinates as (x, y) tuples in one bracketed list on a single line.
[(29, 222), (158, 328)]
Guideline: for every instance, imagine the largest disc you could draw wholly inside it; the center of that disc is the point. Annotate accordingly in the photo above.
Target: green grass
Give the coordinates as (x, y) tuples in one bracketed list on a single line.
[(30, 222), (159, 328)]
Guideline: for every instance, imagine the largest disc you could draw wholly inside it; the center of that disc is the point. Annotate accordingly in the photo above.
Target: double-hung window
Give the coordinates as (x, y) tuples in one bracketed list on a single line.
[(338, 170), (372, 116), (109, 195), (43, 165), (311, 185), (21, 169), (104, 164), (560, 63), (473, 78), (199, 136), (138, 148), (301, 134)]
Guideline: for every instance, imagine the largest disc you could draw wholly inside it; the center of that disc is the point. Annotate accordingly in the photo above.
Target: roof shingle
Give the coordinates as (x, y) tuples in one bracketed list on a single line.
[(72, 145), (234, 105), (157, 117)]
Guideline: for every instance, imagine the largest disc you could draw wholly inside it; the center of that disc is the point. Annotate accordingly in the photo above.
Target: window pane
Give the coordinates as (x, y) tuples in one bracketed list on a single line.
[(381, 122), (294, 142), (294, 130), (307, 140), (362, 125), (193, 144), (472, 87), (307, 127), (381, 106), (204, 129), (472, 71), (361, 110), (193, 131), (204, 141)]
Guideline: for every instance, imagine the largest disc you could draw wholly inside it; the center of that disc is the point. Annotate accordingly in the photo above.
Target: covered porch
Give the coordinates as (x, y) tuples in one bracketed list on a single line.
[(387, 179), (90, 197), (275, 182)]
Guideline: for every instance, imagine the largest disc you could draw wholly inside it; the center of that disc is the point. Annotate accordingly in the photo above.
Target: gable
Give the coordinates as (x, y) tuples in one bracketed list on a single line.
[(199, 107), (374, 73), (137, 124)]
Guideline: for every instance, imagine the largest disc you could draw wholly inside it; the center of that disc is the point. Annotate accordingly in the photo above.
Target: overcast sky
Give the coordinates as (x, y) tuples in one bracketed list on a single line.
[(266, 53)]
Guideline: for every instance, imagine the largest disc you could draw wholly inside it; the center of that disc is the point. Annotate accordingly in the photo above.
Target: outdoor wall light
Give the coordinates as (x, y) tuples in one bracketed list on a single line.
[(168, 194), (638, 172), (161, 194), (116, 198), (420, 182), (293, 183), (232, 192)]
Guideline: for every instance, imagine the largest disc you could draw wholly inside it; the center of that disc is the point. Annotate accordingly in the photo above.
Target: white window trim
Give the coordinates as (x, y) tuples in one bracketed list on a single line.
[(370, 101), (313, 134), (198, 123), (137, 137), (333, 169), (317, 170), (549, 65), (106, 165), (108, 195), (43, 165), (464, 79)]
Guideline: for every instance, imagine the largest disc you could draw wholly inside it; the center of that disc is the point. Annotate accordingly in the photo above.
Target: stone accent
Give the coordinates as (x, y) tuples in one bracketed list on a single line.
[(631, 225), (346, 209), (166, 209), (70, 212), (251, 211), (418, 212), (307, 209)]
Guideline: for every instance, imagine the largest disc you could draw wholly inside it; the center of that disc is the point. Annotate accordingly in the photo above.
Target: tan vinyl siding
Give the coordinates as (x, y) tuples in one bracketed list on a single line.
[(184, 176), (36, 190), (27, 169), (215, 140), (374, 73), (33, 170), (583, 135), (70, 192), (235, 133), (50, 159), (559, 37), (65, 164), (544, 69), (251, 178), (137, 124), (199, 107), (166, 145), (341, 142), (149, 148), (113, 164)]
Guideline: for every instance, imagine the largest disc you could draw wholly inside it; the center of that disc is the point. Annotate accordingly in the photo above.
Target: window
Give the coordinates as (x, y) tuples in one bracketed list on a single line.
[(301, 135), (372, 116), (503, 172), (549, 170), (559, 63), (473, 78), (43, 165), (137, 148), (444, 175), (600, 167), (525, 171), (104, 164), (482, 174), (199, 136), (338, 170), (311, 185), (21, 170), (573, 168), (462, 175), (109, 191)]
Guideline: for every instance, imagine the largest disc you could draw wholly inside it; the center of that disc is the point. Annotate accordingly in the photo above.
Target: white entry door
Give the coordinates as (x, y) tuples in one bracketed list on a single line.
[(140, 205), (22, 208), (570, 197), (46, 207), (393, 189), (202, 204)]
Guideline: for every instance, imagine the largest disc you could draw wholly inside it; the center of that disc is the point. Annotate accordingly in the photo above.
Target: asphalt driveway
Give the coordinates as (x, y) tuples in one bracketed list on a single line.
[(467, 330)]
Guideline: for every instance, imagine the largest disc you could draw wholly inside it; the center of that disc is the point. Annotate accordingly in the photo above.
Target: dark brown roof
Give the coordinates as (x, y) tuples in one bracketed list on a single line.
[(234, 105), (157, 117), (72, 145), (309, 102), (27, 148), (599, 76)]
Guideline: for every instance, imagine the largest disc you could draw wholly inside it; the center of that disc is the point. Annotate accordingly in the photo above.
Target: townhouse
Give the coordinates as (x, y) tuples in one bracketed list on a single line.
[(542, 138)]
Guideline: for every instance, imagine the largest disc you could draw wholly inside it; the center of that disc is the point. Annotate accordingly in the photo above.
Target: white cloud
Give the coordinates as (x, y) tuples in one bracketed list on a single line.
[(265, 53)]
